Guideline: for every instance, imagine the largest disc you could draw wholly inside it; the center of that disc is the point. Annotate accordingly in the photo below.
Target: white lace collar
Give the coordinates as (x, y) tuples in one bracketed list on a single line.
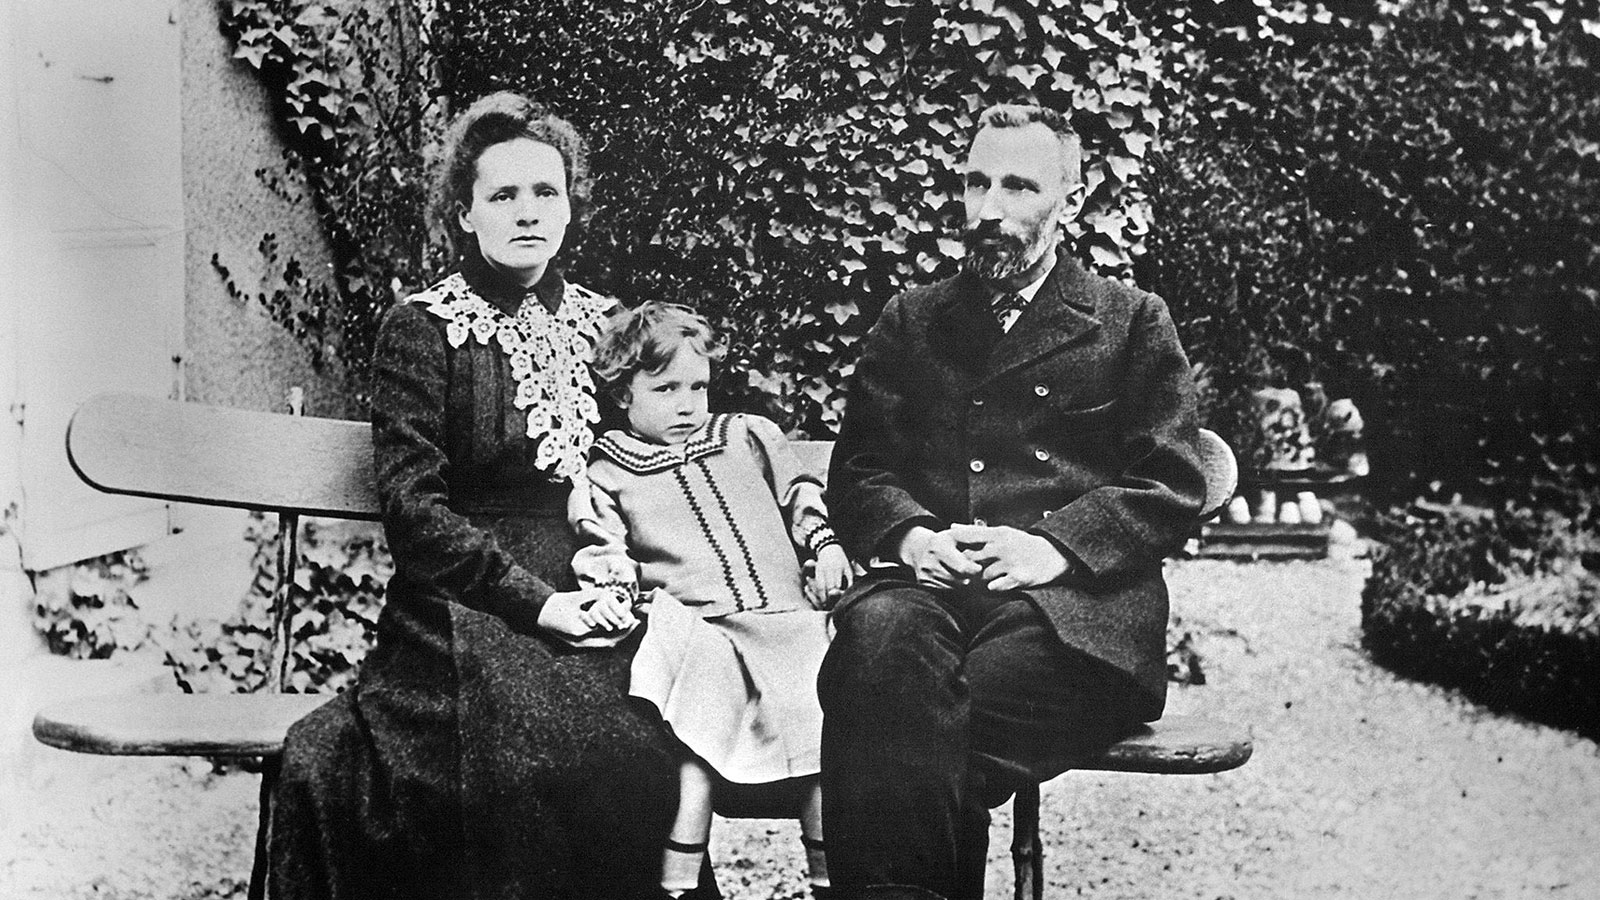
[(550, 354)]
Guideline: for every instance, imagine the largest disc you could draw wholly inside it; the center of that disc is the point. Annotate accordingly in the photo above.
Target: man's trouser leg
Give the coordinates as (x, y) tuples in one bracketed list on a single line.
[(935, 705)]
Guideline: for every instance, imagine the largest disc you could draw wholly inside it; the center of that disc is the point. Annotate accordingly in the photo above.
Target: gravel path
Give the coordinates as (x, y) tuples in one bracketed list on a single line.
[(1362, 786)]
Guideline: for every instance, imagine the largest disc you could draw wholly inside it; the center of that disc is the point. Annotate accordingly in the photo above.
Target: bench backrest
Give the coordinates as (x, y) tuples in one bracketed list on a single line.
[(147, 447)]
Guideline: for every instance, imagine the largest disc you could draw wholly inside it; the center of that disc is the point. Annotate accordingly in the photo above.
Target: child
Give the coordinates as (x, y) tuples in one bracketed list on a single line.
[(709, 515)]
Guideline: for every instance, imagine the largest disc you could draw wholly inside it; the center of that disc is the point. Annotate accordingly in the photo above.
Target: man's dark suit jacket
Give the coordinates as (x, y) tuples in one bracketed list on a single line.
[(1078, 424)]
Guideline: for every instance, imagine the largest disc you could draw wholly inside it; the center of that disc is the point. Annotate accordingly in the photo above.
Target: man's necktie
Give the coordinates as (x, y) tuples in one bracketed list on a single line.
[(1006, 304)]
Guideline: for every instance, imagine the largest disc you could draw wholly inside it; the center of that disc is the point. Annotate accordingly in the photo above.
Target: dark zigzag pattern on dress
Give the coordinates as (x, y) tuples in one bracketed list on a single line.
[(705, 528), (738, 535), (714, 440)]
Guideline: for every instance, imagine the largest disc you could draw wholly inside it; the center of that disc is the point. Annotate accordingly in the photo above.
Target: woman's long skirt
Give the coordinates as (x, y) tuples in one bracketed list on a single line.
[(471, 761)]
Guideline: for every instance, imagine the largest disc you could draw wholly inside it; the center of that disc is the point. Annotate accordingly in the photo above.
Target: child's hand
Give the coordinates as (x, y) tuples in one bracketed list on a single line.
[(832, 575), (607, 612), (572, 617), (567, 614)]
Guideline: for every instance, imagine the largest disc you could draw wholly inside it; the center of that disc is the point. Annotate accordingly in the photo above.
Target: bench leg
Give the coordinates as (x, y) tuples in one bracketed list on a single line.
[(1027, 851), (258, 871)]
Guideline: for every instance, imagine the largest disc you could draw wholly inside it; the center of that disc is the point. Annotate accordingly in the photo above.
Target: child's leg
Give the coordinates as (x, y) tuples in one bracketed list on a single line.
[(811, 836), (686, 845)]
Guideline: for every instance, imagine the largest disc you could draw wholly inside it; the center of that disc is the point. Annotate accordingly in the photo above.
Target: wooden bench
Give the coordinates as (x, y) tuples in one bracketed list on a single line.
[(298, 466)]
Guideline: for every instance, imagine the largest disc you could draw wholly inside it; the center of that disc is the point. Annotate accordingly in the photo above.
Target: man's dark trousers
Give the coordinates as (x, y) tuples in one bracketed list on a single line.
[(937, 704)]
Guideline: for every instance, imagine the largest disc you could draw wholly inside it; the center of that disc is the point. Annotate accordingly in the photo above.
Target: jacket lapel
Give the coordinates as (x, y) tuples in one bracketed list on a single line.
[(1060, 314), (964, 332)]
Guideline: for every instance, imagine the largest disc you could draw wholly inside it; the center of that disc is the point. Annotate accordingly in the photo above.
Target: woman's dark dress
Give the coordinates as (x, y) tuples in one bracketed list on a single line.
[(476, 756)]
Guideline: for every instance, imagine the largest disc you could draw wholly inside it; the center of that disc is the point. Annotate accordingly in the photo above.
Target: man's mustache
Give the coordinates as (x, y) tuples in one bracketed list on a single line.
[(989, 233)]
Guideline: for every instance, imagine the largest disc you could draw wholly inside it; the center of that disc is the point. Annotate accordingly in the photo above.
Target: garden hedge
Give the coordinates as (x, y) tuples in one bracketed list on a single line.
[(1501, 605)]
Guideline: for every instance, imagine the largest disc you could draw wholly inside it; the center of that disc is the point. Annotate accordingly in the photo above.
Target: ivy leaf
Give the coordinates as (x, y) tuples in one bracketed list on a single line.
[(977, 34), (817, 389), (1025, 74), (254, 54), (1123, 167), (843, 310), (772, 385), (1108, 257)]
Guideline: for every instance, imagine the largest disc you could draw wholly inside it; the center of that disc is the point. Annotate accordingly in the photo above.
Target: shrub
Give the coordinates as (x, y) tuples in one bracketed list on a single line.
[(1502, 604), (1185, 665), (92, 616), (1399, 206), (338, 593)]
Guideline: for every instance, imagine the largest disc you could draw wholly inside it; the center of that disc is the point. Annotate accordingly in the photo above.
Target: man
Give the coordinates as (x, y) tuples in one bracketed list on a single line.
[(1020, 452)]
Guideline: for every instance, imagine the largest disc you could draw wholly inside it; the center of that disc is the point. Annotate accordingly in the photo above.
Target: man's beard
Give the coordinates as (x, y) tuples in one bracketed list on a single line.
[(992, 255)]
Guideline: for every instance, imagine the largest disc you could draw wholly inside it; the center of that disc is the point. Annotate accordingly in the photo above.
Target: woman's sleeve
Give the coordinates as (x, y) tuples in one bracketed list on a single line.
[(442, 553), (602, 560), (797, 491)]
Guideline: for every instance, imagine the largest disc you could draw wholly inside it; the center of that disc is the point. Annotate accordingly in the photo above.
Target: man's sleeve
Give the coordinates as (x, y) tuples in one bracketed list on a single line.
[(868, 499)]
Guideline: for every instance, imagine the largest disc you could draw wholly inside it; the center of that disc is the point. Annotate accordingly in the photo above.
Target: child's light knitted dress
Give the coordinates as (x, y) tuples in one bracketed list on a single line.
[(712, 532)]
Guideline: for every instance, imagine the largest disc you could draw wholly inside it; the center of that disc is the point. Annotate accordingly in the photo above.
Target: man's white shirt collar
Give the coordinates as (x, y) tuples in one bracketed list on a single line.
[(1027, 292)]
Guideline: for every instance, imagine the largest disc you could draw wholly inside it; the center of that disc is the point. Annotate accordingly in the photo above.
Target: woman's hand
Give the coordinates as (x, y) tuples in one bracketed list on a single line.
[(832, 574), (574, 615)]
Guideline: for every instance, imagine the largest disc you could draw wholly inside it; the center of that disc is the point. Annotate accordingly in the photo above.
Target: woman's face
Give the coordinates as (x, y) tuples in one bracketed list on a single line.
[(520, 208), (669, 406)]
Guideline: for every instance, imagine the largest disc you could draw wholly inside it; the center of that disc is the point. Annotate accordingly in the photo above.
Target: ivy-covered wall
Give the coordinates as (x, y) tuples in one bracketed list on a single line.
[(790, 166), (236, 355), (1388, 199), (785, 166)]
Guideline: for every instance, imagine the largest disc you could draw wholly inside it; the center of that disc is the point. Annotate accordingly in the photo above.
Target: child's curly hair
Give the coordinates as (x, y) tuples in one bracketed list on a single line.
[(646, 338)]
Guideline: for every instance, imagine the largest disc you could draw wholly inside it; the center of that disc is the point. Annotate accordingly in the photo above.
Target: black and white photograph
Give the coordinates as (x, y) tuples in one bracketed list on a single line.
[(799, 449)]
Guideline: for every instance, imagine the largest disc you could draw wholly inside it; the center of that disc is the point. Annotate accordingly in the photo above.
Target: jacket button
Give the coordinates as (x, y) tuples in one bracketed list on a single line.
[(976, 465), (977, 399), (1041, 454), (1042, 389)]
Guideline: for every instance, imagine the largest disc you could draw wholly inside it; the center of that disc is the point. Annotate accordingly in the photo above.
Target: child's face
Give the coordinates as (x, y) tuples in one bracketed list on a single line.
[(668, 406)]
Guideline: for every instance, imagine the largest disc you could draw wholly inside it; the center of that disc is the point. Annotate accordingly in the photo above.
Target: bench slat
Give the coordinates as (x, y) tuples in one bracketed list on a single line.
[(150, 447), (236, 725), (1177, 745), (226, 725)]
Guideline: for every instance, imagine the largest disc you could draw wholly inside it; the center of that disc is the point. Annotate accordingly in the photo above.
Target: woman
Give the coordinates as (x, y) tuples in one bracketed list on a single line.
[(488, 749)]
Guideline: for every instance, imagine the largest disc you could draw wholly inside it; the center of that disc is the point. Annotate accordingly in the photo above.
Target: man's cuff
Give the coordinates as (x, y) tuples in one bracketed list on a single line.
[(1075, 566), (889, 547)]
